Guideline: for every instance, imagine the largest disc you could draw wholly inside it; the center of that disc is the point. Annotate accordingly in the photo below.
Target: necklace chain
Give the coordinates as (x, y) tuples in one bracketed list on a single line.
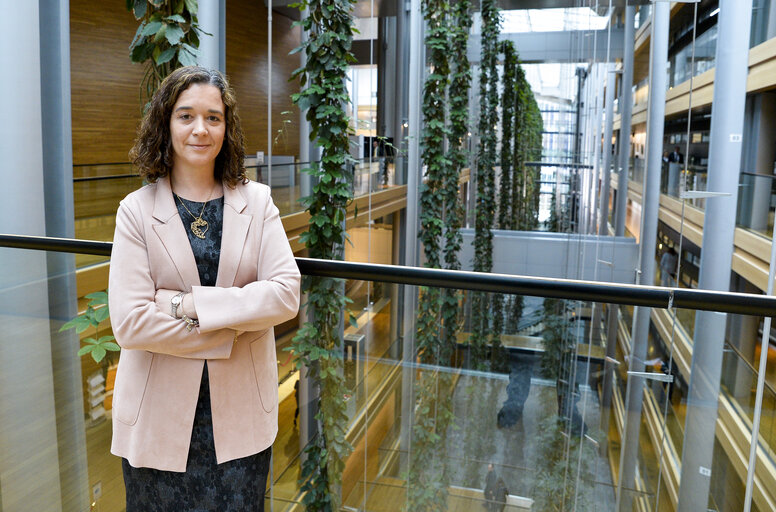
[(199, 222)]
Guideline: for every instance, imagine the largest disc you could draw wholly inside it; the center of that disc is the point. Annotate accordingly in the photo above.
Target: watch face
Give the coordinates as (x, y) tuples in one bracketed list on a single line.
[(177, 300)]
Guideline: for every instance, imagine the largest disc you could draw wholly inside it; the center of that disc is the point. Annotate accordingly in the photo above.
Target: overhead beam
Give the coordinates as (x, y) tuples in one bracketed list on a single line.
[(570, 46)]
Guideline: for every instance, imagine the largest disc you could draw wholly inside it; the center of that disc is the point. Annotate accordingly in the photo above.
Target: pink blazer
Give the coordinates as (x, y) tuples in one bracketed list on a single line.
[(161, 363)]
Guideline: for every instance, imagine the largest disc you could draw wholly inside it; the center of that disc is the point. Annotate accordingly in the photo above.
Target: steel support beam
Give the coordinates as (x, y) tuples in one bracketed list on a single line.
[(626, 111), (727, 123), (648, 240), (537, 47)]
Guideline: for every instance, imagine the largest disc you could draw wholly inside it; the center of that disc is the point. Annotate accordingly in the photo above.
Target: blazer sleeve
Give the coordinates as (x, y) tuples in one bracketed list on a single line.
[(138, 322), (271, 300)]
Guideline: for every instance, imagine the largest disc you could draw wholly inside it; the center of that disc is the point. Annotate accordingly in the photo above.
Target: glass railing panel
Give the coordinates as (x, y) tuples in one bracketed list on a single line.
[(529, 401), (97, 190), (755, 207), (761, 11), (739, 382)]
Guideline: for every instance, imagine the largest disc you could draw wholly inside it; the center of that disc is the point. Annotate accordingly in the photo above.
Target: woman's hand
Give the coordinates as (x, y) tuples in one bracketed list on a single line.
[(163, 299)]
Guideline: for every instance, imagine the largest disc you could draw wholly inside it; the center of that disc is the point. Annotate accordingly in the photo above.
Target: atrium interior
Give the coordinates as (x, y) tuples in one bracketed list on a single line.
[(582, 170)]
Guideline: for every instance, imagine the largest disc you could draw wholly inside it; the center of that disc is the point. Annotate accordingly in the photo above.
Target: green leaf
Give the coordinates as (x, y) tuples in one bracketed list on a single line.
[(174, 34), (191, 5), (101, 314), (103, 339), (98, 353), (151, 28), (141, 53), (85, 350), (186, 58), (140, 8), (179, 4), (113, 347), (176, 18), (160, 34), (165, 56)]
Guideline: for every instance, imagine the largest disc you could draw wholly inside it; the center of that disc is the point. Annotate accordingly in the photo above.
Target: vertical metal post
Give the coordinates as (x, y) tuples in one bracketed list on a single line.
[(414, 91), (647, 243), (626, 111), (603, 227), (727, 123), (212, 48)]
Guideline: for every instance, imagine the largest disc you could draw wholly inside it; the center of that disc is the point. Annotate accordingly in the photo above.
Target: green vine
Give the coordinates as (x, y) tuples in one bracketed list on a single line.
[(318, 344), (428, 476), (507, 142), (167, 38), (486, 161)]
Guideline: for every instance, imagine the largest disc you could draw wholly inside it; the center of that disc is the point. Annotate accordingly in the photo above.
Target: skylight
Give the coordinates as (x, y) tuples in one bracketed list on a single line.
[(552, 20)]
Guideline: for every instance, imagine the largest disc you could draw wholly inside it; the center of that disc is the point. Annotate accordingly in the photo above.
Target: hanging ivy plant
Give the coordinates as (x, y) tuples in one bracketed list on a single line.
[(318, 344), (167, 38), (486, 160), (427, 478)]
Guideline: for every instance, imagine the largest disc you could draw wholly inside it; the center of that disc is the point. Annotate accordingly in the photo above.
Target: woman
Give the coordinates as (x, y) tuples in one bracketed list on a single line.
[(201, 271)]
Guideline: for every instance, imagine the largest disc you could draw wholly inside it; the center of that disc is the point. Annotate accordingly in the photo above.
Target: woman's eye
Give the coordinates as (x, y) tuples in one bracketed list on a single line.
[(184, 116), (215, 119)]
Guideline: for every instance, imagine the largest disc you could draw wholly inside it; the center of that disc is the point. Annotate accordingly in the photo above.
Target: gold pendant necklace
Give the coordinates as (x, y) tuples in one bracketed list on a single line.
[(199, 222)]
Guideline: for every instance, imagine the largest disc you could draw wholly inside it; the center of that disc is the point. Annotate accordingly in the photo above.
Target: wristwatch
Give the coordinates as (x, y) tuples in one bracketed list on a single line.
[(175, 303)]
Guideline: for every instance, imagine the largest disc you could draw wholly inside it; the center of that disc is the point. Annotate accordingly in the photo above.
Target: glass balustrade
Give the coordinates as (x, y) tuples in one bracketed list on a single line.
[(532, 401), (98, 189)]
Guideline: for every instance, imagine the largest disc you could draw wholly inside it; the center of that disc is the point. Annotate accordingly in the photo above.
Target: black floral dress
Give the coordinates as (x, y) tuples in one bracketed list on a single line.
[(234, 486)]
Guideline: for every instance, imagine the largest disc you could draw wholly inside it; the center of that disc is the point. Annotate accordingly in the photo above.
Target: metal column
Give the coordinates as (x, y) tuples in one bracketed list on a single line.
[(212, 48), (414, 91), (603, 226), (727, 123), (626, 111), (647, 242)]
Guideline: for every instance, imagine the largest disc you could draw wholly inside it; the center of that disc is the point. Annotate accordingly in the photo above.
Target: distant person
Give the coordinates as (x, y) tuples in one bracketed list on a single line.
[(668, 263), (676, 156), (490, 488), (500, 497), (296, 399)]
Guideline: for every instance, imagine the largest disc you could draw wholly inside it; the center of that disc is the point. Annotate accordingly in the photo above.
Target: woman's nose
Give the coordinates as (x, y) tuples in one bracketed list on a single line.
[(200, 128)]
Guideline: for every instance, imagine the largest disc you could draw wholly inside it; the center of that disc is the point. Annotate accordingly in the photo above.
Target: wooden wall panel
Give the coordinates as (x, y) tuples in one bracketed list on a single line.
[(105, 84), (246, 66)]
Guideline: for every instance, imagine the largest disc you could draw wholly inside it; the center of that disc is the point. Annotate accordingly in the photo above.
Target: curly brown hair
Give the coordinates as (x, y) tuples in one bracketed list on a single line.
[(152, 152)]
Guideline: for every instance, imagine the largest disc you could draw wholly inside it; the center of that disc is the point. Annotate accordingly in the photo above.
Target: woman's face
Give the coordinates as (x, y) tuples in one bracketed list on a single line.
[(197, 128)]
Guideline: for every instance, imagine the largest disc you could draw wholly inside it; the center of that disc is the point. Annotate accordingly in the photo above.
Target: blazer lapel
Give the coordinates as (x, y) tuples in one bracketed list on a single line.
[(172, 234), (235, 231)]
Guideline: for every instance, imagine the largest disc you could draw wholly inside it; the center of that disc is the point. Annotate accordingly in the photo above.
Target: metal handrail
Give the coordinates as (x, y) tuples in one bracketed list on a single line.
[(574, 289)]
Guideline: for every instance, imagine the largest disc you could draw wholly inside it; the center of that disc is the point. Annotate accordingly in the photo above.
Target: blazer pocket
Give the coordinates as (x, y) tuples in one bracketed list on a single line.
[(131, 381), (265, 368)]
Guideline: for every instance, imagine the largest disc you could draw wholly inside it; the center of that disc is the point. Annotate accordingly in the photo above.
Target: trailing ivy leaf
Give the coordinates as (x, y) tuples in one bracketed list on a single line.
[(174, 34), (142, 52), (138, 34), (165, 56), (191, 5), (186, 58), (176, 18), (160, 35), (179, 4), (152, 28), (140, 8)]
